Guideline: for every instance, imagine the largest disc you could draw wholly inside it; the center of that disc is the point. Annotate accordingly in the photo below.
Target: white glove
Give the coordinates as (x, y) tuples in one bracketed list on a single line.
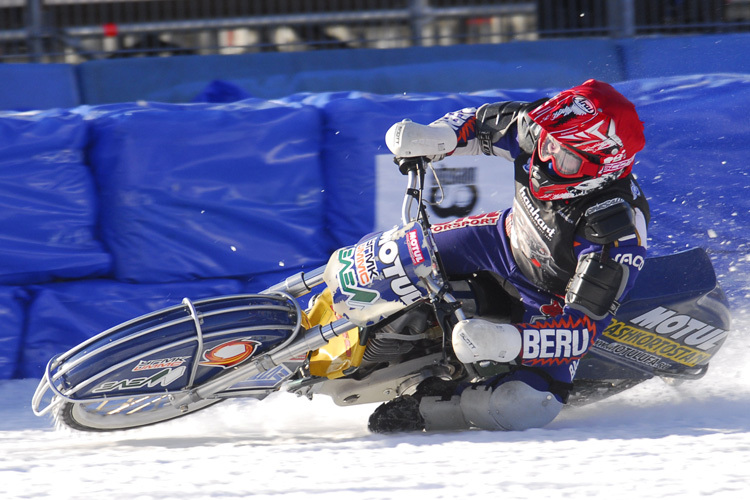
[(477, 340), (407, 139)]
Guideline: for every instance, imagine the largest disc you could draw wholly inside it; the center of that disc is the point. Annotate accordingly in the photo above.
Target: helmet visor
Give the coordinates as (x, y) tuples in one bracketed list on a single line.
[(565, 162)]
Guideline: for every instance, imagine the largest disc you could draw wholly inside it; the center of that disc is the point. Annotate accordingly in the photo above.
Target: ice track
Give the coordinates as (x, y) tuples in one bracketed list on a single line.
[(655, 441)]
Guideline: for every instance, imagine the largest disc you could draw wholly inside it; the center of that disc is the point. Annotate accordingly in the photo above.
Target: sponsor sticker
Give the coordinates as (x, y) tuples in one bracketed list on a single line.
[(400, 283), (163, 378), (356, 297), (630, 260), (631, 353), (230, 353), (584, 104), (364, 262), (556, 341), (415, 250), (686, 329), (157, 364), (649, 342), (489, 219), (532, 212)]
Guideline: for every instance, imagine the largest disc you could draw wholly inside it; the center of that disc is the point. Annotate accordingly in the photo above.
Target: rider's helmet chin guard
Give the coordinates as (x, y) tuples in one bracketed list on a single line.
[(589, 137)]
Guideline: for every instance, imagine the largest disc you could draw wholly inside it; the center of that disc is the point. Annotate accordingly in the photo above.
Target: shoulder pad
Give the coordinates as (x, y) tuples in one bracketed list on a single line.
[(608, 221)]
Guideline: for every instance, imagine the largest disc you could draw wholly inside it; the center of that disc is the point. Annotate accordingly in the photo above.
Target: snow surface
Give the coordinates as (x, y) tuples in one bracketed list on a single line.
[(654, 441)]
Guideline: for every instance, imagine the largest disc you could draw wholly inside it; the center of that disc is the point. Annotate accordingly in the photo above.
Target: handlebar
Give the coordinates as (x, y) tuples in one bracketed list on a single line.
[(415, 169)]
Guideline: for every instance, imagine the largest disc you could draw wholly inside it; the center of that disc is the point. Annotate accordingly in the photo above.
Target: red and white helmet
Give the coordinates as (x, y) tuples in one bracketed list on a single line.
[(590, 135)]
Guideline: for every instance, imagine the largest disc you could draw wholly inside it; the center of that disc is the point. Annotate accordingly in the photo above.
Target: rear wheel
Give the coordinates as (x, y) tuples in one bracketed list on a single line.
[(120, 414)]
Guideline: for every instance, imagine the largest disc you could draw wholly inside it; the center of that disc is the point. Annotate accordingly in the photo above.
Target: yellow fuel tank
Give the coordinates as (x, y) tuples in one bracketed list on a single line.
[(342, 352)]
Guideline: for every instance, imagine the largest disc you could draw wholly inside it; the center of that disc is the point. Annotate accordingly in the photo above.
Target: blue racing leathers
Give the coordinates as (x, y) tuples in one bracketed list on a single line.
[(538, 247)]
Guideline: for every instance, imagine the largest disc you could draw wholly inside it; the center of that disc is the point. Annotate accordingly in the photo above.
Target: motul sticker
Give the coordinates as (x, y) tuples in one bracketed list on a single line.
[(633, 354), (686, 329), (415, 250), (400, 283)]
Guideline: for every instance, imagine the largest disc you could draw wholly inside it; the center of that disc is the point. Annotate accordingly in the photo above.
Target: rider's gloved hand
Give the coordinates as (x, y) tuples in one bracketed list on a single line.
[(407, 139)]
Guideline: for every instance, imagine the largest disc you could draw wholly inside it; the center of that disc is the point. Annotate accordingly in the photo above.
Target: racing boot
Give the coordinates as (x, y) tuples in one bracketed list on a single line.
[(514, 402), (402, 414), (398, 415)]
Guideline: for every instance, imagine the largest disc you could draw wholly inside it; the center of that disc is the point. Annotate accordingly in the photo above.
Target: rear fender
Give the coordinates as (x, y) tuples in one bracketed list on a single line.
[(174, 349), (672, 322)]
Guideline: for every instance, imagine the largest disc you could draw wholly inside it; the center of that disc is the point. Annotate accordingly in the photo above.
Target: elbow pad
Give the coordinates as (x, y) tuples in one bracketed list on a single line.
[(495, 120), (596, 286), (608, 221)]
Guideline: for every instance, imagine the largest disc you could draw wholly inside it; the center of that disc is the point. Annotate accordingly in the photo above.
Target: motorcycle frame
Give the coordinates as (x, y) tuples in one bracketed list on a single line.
[(299, 342)]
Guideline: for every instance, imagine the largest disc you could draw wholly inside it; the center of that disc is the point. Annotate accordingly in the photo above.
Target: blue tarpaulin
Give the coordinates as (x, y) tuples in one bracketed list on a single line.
[(111, 211)]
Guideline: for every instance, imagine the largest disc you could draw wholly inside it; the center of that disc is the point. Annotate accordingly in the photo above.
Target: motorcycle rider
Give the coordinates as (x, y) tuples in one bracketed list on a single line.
[(571, 246)]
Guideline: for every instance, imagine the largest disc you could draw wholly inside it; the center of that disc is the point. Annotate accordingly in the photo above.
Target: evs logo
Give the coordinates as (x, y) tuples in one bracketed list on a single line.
[(357, 297)]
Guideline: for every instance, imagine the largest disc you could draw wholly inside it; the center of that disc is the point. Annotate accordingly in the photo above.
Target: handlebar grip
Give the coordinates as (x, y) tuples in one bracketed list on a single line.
[(405, 165)]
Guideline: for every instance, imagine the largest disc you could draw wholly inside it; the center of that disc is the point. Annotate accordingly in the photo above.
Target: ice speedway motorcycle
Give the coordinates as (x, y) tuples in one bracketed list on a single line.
[(378, 323)]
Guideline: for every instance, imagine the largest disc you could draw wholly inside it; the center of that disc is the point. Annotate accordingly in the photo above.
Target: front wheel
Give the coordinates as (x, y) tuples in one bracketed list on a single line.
[(121, 414)]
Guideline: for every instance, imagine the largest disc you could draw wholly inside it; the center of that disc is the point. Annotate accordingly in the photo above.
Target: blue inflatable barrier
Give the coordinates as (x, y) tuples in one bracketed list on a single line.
[(168, 200), (207, 191), (12, 317), (355, 128), (48, 201), (63, 315)]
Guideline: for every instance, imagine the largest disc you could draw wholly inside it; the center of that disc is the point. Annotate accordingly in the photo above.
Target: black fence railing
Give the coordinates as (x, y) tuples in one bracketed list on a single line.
[(79, 30)]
